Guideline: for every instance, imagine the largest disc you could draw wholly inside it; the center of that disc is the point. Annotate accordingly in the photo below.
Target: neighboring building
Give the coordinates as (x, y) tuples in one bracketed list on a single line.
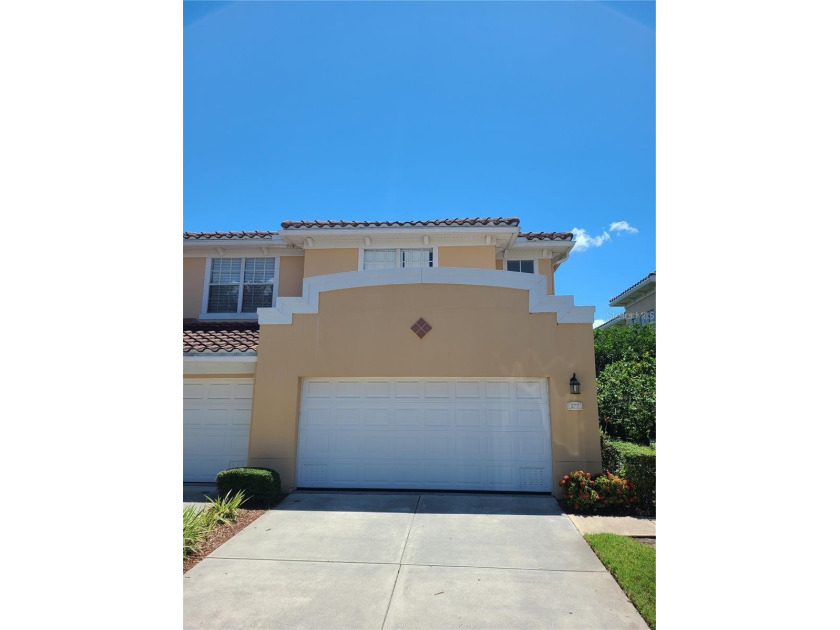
[(356, 354), (639, 302)]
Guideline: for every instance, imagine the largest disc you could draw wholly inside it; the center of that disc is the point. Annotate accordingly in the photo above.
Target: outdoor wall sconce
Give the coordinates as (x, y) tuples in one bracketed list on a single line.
[(574, 384)]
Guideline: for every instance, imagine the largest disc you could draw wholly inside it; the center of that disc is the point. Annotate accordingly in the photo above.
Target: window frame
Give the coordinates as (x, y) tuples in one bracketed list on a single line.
[(520, 261), (399, 251), (205, 298)]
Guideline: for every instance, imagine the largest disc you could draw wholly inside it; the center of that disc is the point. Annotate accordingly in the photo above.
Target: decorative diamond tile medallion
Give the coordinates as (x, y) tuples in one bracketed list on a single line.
[(421, 327)]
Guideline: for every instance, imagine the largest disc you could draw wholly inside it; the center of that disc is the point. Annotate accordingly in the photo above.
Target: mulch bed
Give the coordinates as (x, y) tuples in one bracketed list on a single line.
[(221, 534), (650, 542)]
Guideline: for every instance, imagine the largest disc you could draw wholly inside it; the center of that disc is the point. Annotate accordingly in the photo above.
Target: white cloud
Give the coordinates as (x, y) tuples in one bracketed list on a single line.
[(584, 241), (622, 226), (598, 322)]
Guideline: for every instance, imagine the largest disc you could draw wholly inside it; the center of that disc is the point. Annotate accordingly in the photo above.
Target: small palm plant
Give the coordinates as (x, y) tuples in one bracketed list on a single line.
[(197, 523), (224, 509)]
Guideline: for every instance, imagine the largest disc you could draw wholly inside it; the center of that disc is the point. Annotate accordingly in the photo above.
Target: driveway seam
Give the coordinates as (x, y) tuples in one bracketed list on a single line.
[(393, 564), (397, 577), (411, 564)]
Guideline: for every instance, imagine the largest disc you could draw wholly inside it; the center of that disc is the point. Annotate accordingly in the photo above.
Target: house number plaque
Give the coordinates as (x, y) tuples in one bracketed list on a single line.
[(576, 406)]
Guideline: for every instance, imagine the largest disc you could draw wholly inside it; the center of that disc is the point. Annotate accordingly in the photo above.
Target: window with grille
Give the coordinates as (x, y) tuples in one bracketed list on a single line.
[(396, 258), (240, 285), (524, 266)]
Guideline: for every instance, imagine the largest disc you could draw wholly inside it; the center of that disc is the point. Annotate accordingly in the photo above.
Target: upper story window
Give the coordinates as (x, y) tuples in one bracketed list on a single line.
[(396, 258), (240, 285), (525, 266)]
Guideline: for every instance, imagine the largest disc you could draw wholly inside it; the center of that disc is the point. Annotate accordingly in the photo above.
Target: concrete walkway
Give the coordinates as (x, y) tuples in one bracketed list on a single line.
[(407, 560), (636, 526), (196, 493)]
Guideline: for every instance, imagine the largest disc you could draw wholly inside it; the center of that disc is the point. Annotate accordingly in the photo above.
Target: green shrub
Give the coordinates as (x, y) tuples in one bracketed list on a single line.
[(579, 491), (261, 486), (637, 464), (623, 343), (627, 399), (613, 492), (640, 470)]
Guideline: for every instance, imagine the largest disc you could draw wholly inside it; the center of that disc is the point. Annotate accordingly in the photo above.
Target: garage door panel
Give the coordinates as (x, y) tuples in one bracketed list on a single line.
[(428, 433), (242, 416), (217, 416), (468, 417), (499, 389), (243, 391), (410, 416), (377, 417), (498, 417), (436, 418), (377, 389), (407, 389), (194, 391), (217, 419), (347, 417)]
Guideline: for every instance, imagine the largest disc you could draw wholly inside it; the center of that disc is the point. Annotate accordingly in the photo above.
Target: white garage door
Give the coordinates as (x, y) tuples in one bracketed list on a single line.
[(217, 418), (430, 433)]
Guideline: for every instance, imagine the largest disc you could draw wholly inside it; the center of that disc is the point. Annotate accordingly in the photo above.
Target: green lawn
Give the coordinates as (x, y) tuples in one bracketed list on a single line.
[(633, 565)]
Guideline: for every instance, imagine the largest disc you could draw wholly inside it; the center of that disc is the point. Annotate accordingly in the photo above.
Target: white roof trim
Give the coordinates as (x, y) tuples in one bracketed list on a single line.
[(621, 298), (215, 357), (538, 301)]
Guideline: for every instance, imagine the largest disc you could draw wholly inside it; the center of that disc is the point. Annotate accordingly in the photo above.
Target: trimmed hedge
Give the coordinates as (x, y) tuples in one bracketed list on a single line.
[(635, 463), (260, 485)]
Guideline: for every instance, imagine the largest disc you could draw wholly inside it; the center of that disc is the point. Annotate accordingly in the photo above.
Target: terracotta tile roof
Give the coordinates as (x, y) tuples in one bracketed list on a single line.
[(487, 221), (630, 288), (221, 337), (219, 236), (547, 236)]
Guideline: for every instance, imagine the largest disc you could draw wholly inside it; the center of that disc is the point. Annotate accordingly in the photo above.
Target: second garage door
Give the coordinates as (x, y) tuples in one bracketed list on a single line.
[(429, 433), (217, 419)]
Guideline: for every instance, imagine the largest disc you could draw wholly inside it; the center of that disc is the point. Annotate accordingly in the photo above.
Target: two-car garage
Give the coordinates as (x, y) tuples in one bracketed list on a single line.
[(429, 433)]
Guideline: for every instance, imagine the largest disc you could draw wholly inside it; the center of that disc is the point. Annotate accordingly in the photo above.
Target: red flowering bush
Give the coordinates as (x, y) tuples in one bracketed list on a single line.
[(579, 491), (606, 492), (613, 491)]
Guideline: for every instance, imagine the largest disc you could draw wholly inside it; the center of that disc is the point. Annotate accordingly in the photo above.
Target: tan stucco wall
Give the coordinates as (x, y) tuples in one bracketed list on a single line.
[(318, 262), (477, 331), (480, 256), (193, 286), (290, 283), (545, 269), (647, 303)]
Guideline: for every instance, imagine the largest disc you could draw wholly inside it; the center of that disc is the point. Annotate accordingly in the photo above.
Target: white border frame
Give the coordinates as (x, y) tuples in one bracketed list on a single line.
[(399, 248), (245, 316), (535, 283)]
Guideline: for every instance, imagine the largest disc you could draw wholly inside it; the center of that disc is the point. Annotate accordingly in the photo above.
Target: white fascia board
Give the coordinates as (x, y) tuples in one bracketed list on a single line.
[(329, 237), (204, 357), (248, 317), (201, 249), (624, 299), (244, 365), (563, 306)]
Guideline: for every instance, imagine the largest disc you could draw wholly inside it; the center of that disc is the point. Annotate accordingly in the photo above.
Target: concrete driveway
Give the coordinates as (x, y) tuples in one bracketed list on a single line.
[(407, 560)]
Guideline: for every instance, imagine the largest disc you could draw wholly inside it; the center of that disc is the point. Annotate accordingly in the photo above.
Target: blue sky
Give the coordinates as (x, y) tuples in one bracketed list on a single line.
[(410, 110)]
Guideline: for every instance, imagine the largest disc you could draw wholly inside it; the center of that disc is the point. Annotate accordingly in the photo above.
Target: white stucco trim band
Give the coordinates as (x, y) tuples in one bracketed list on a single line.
[(538, 299), (202, 364)]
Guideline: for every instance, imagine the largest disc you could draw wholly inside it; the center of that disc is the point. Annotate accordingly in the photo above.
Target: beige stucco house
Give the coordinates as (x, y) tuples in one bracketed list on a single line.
[(639, 302), (356, 354)]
